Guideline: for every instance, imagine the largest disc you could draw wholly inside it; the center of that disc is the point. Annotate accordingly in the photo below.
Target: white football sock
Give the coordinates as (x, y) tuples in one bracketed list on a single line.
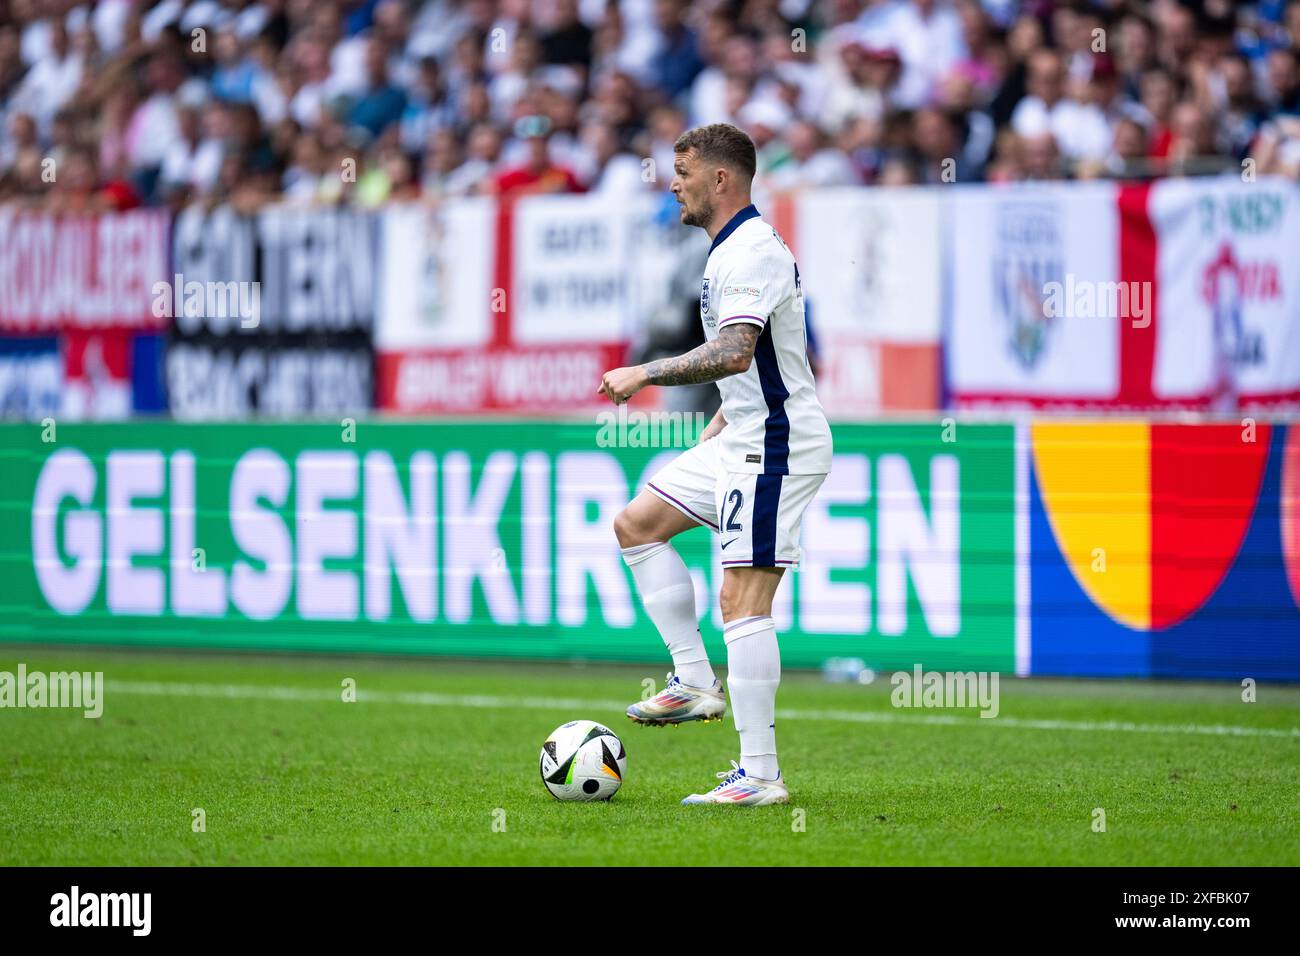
[(668, 594), (753, 675)]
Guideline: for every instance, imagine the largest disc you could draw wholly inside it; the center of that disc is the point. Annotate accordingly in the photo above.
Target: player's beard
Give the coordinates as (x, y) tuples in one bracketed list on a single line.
[(700, 215)]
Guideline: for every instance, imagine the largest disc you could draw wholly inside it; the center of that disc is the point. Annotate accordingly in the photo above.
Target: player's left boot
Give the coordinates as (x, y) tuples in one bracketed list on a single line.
[(739, 790), (679, 703)]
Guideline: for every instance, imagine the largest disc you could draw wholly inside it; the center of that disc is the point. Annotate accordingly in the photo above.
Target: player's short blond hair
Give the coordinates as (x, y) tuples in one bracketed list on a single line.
[(721, 143)]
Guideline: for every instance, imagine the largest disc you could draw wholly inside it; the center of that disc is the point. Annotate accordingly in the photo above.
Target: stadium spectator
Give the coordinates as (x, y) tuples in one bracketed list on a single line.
[(235, 73), (678, 62), (1040, 158), (928, 37), (1277, 148), (858, 91), (663, 126), (12, 67), (537, 173), (940, 149), (22, 140), (1128, 151), (865, 87), (721, 89), (1191, 139), (303, 177), (441, 160), (429, 108), (392, 175), (381, 103), (53, 76), (477, 167), (1159, 96), (191, 162), (1077, 124), (985, 63), (568, 40), (1284, 80), (900, 169), (811, 161), (1240, 108), (1134, 51), (613, 170)]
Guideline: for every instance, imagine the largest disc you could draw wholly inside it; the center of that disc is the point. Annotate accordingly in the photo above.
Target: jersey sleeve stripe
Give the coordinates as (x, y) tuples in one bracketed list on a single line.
[(756, 319)]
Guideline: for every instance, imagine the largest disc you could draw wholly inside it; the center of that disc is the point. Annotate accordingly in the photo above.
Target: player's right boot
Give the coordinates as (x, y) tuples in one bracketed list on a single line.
[(678, 703)]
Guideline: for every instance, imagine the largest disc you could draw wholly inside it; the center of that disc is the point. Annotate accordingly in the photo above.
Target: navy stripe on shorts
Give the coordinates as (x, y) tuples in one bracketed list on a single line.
[(767, 501)]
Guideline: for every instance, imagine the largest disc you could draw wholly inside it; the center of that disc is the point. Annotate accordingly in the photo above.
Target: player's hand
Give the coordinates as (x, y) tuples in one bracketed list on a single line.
[(620, 384), (712, 429), (716, 424)]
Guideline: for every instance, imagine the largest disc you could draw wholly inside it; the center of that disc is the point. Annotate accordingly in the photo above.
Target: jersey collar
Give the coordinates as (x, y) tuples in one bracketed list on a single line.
[(749, 212)]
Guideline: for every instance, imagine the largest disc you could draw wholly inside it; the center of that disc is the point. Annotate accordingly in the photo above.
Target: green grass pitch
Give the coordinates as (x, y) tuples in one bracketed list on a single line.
[(418, 770)]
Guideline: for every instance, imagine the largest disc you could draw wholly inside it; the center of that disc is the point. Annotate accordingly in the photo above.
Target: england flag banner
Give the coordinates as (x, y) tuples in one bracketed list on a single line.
[(1037, 298), (1228, 271)]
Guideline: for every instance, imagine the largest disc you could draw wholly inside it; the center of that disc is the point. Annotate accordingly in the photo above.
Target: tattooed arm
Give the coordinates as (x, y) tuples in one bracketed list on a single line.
[(729, 354)]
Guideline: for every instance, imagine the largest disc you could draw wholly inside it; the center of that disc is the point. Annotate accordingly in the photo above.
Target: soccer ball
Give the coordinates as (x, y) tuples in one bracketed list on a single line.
[(583, 760)]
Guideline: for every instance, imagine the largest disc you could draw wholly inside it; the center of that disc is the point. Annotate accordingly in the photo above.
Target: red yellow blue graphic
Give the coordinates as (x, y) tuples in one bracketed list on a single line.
[(1291, 512), (1165, 549)]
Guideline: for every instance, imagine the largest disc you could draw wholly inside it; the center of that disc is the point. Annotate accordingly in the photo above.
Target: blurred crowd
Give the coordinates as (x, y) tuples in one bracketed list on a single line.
[(119, 103)]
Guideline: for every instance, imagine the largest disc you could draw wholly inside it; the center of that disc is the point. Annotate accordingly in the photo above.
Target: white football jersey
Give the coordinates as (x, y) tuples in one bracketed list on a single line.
[(775, 424)]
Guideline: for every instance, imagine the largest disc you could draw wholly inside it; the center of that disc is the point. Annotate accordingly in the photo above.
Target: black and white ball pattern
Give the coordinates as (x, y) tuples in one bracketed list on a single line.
[(583, 760)]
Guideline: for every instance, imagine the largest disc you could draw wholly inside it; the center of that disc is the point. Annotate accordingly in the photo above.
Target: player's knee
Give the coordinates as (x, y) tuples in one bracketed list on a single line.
[(627, 530), (744, 597)]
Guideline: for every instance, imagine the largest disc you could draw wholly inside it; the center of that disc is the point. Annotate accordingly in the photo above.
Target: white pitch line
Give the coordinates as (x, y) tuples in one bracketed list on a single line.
[(492, 702)]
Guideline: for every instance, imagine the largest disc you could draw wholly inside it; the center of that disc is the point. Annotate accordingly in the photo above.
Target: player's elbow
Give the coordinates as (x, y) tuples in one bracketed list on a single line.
[(736, 364)]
